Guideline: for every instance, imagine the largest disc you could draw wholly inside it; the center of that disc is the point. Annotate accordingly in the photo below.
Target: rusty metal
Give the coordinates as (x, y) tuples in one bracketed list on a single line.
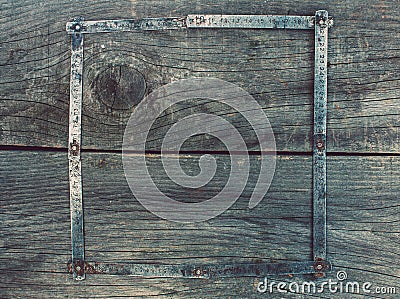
[(320, 144), (204, 271), (250, 21), (321, 266), (126, 25), (74, 147), (74, 156), (320, 22), (199, 21), (319, 148)]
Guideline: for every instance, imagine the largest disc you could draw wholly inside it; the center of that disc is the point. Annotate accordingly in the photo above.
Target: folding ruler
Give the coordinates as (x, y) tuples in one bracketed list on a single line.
[(320, 22)]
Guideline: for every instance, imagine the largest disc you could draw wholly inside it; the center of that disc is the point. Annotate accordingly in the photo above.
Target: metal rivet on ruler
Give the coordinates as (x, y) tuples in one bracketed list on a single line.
[(74, 148), (320, 266), (77, 27), (79, 267), (198, 272), (320, 145)]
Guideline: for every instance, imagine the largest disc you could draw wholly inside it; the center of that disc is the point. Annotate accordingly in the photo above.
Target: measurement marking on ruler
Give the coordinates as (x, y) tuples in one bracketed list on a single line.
[(320, 23), (127, 25), (250, 21), (319, 144)]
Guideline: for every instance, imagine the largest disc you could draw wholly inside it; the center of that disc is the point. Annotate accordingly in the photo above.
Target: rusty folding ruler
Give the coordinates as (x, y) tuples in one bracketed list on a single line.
[(320, 23)]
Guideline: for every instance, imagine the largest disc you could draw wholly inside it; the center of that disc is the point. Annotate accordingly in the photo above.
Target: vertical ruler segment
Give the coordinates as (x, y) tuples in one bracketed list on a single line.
[(319, 144), (74, 155)]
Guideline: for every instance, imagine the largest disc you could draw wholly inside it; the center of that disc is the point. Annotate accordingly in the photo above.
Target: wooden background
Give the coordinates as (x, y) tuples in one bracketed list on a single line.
[(275, 67)]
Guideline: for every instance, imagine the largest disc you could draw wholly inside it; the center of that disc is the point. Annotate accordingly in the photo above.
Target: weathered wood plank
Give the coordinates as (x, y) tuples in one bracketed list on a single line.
[(363, 226), (274, 66)]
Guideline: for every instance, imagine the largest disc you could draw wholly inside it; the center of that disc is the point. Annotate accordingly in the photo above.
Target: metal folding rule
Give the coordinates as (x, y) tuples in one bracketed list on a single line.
[(320, 23)]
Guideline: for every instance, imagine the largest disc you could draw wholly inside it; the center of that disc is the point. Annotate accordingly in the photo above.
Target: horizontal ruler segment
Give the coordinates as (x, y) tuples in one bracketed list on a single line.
[(125, 25), (250, 21), (206, 271), (195, 21)]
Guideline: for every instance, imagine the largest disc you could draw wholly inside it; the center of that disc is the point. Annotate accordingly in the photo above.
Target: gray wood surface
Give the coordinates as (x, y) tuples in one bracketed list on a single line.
[(362, 227), (275, 67)]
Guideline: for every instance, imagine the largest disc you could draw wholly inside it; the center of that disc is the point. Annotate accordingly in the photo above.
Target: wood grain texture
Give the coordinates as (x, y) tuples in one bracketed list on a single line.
[(274, 66), (363, 226)]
